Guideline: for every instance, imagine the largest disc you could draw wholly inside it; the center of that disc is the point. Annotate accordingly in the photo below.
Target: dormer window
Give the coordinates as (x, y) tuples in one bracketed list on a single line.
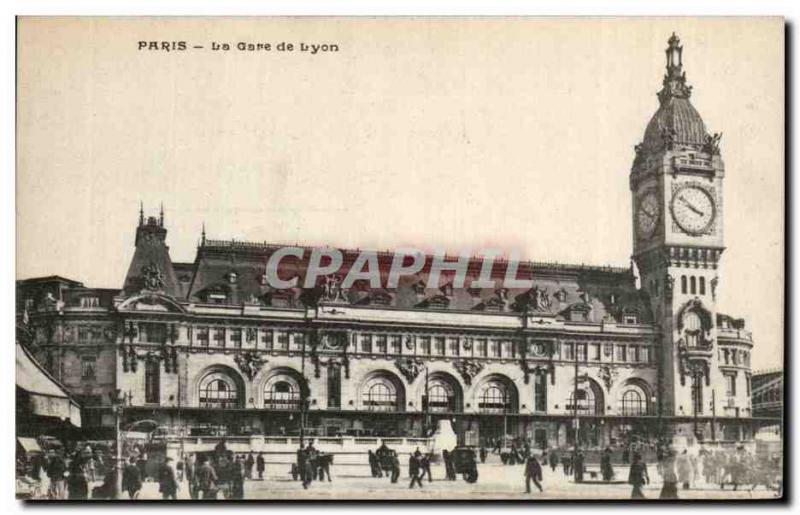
[(630, 319)]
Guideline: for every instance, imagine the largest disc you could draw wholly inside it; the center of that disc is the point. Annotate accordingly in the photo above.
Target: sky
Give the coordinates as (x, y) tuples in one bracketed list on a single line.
[(433, 133)]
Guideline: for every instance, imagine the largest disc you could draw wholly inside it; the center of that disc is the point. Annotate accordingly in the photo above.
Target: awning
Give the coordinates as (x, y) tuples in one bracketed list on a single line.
[(29, 444), (47, 397)]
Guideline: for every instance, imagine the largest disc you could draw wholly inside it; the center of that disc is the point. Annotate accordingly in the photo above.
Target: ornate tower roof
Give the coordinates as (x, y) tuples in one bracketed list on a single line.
[(676, 123)]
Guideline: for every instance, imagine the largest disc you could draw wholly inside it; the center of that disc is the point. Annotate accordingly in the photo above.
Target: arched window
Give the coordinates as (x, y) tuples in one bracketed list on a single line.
[(702, 286), (440, 397), (494, 398), (683, 284), (218, 390), (589, 401), (282, 395), (380, 393), (586, 401), (693, 285), (633, 402), (693, 326)]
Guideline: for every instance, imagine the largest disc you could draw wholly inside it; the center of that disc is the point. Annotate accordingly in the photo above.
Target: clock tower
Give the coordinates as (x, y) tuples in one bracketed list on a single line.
[(676, 186)]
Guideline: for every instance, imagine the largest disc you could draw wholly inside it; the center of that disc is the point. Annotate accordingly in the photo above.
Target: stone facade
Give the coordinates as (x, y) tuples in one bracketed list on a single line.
[(209, 348)]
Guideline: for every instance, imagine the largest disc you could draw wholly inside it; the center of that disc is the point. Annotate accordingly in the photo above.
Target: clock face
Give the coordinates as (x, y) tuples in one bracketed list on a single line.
[(693, 209), (647, 214)]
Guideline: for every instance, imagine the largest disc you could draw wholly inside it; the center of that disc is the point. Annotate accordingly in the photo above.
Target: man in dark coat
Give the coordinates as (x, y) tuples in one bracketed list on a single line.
[(566, 463), (483, 452), (249, 463), (553, 460), (261, 465), (56, 470), (206, 480), (415, 469), (131, 479), (77, 484), (533, 472), (606, 469), (425, 463), (374, 468), (577, 466), (449, 466), (167, 483), (637, 476), (237, 469)]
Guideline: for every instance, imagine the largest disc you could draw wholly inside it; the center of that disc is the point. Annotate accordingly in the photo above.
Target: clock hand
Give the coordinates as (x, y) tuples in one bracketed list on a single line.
[(690, 206)]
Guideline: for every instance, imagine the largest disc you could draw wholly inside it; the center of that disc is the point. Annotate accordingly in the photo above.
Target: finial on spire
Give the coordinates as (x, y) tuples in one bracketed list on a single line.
[(141, 213), (675, 78), (161, 216), (203, 235)]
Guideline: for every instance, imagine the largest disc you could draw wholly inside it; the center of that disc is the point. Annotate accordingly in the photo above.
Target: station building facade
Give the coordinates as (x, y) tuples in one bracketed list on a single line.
[(610, 355)]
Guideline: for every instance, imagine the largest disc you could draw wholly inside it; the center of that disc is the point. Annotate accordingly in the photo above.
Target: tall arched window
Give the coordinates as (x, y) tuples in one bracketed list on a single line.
[(693, 326), (589, 400), (633, 402), (702, 286), (683, 284), (380, 393), (693, 285), (440, 397), (282, 394), (218, 390), (494, 398)]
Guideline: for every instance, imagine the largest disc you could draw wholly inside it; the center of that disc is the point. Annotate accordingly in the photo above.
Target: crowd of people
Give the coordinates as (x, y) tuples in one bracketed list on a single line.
[(222, 473)]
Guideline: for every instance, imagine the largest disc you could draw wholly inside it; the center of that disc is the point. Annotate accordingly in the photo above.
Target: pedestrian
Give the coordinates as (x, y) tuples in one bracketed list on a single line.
[(684, 469), (374, 468), (310, 458), (606, 470), (167, 483), (566, 464), (669, 489), (238, 467), (533, 472), (553, 459), (131, 479), (415, 469), (206, 480), (483, 452), (637, 476), (142, 464), (449, 469), (77, 485), (261, 465), (425, 463), (191, 475), (249, 463), (577, 466), (56, 470)]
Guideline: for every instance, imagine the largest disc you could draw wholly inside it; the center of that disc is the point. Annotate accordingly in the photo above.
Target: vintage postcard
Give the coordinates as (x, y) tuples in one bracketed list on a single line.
[(406, 258)]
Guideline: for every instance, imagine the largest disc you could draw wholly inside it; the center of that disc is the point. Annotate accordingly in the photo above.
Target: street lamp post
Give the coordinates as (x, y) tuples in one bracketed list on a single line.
[(116, 402)]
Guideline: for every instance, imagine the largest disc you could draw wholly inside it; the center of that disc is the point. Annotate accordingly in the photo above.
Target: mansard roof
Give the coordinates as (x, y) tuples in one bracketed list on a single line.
[(236, 271)]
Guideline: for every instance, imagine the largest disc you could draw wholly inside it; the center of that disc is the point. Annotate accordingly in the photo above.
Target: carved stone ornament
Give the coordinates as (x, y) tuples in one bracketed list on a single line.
[(608, 375), (152, 276), (249, 363), (251, 334), (332, 290), (409, 342), (468, 369), (409, 367), (540, 299)]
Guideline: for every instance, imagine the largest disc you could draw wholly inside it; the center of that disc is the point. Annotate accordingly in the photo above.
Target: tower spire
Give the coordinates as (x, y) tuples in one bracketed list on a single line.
[(141, 213), (161, 216), (203, 235), (674, 84)]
